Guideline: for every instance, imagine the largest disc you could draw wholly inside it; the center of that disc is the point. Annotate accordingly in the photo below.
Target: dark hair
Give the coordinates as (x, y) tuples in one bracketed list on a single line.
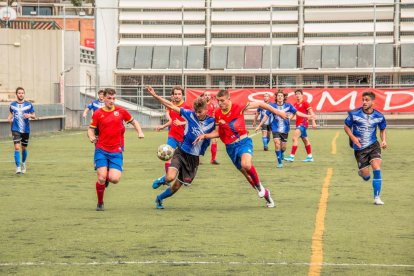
[(280, 91), (369, 94), (177, 88), (199, 103), (20, 88), (109, 91), (299, 91), (223, 93), (100, 91)]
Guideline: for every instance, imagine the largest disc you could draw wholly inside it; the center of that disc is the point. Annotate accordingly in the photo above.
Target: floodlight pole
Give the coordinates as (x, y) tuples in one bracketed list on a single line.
[(374, 60), (182, 47), (271, 49)]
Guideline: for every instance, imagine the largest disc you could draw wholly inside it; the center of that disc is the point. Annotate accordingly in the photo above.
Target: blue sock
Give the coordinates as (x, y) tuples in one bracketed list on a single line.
[(17, 158), (24, 155), (279, 156), (377, 182), (162, 179), (265, 141), (165, 194)]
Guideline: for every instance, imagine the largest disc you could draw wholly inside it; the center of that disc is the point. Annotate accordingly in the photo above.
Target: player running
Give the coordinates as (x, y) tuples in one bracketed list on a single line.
[(110, 145), (301, 127), (20, 113), (266, 126), (361, 127), (95, 105), (280, 127), (231, 128), (186, 158)]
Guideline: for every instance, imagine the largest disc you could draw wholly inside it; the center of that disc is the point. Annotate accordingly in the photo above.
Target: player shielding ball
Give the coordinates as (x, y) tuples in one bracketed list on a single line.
[(231, 128), (109, 120), (186, 157), (361, 127)]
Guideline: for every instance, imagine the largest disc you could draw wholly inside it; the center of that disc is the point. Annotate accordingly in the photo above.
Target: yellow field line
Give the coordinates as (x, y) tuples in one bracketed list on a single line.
[(316, 261)]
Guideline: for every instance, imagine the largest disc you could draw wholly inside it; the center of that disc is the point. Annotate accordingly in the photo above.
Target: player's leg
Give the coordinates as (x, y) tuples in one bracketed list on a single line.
[(16, 141), (295, 139), (278, 151), (377, 181), (25, 144), (306, 142), (161, 180), (214, 151), (101, 165), (265, 139)]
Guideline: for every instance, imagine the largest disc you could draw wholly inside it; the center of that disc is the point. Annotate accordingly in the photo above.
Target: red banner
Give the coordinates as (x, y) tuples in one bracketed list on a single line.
[(326, 99)]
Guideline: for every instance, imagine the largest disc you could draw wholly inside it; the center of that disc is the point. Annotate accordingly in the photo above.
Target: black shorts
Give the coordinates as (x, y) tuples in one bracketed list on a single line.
[(186, 165), (19, 137), (266, 127), (282, 136), (365, 156)]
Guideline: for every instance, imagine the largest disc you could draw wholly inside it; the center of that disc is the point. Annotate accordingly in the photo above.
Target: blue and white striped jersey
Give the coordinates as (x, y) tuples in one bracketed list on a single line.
[(20, 123), (364, 126), (262, 113), (278, 123), (194, 128), (95, 105)]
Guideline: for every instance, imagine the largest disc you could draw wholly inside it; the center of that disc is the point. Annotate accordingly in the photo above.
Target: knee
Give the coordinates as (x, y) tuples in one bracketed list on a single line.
[(101, 179), (114, 180), (246, 166)]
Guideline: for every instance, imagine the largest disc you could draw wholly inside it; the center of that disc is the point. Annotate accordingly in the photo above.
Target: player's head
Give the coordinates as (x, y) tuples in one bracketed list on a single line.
[(200, 108), (101, 95), (299, 95), (280, 97), (368, 98), (223, 100), (109, 97), (207, 96), (177, 94), (20, 93), (266, 97)]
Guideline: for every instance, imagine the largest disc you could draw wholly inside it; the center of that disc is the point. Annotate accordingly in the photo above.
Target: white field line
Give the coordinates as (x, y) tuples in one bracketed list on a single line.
[(201, 263)]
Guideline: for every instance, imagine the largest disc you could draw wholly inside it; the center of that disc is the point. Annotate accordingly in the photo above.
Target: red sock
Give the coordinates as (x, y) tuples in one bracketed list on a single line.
[(293, 151), (213, 152), (253, 174), (308, 149), (166, 166), (100, 189)]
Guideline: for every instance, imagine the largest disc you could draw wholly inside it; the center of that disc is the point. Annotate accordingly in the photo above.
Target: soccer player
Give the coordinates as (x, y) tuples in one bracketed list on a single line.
[(176, 125), (95, 105), (110, 145), (361, 127), (20, 113), (186, 158), (266, 127), (280, 127), (301, 128), (211, 107), (231, 128)]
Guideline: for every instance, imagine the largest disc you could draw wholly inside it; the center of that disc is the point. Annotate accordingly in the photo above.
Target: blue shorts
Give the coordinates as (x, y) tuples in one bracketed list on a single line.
[(173, 142), (112, 160), (303, 133), (237, 149)]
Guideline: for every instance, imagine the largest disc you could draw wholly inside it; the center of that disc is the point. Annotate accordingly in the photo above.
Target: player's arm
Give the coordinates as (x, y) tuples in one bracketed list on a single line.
[(167, 124), (303, 114), (313, 117), (10, 117), (383, 136), (137, 128), (91, 135), (353, 138), (256, 115), (252, 105), (211, 135), (85, 112), (163, 101), (265, 117), (30, 115)]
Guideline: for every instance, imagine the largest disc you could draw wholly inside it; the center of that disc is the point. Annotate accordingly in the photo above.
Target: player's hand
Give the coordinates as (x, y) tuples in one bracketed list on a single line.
[(150, 90), (177, 122), (314, 125), (158, 128), (356, 142), (283, 115), (257, 129), (93, 140), (141, 135), (27, 115), (199, 138), (383, 145), (254, 124)]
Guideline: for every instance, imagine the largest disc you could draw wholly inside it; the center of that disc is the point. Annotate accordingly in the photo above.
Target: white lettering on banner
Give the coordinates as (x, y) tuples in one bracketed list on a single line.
[(326, 95), (252, 96), (389, 95)]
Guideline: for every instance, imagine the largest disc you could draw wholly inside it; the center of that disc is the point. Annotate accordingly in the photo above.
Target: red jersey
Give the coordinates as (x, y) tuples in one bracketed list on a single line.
[(111, 128), (177, 132), (302, 107), (210, 109), (231, 124)]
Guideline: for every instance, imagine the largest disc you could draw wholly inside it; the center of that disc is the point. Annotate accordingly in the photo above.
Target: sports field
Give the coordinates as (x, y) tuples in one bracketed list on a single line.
[(324, 222)]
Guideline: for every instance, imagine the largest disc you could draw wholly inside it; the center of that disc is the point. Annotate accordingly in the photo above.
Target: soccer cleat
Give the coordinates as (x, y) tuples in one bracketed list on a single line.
[(378, 201), (100, 207), (23, 167), (260, 190), (290, 158), (158, 182), (158, 203), (269, 201), (279, 166), (18, 170), (308, 159), (266, 148), (214, 162)]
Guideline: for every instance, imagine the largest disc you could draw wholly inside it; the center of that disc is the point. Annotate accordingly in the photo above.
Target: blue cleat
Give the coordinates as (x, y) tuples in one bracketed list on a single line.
[(279, 166), (290, 158), (308, 159), (158, 203), (158, 182)]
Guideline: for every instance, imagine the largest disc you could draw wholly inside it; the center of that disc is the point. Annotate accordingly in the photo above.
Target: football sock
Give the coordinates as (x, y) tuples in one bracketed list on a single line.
[(265, 141), (165, 194), (17, 158), (293, 151), (253, 175), (100, 189), (377, 182), (268, 139), (166, 166), (213, 152), (279, 156), (24, 155), (308, 150)]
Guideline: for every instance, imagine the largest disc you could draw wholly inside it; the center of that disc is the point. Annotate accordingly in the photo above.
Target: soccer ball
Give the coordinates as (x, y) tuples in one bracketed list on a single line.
[(165, 152)]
